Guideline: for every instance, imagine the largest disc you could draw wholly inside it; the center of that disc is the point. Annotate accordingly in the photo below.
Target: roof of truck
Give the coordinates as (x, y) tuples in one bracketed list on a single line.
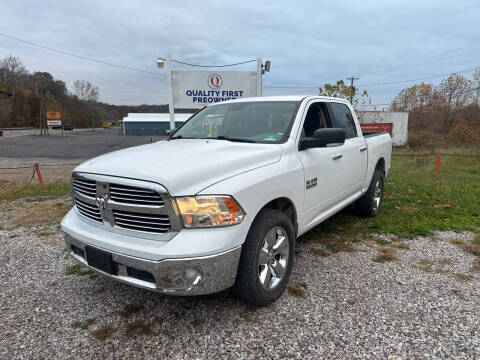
[(282, 98)]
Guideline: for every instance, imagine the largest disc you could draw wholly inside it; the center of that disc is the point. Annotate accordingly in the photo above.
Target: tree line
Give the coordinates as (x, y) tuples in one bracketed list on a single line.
[(451, 107), (26, 96)]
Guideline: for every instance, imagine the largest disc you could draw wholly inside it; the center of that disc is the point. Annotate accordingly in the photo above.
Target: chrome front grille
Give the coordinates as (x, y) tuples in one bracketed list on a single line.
[(134, 195), (133, 207), (85, 187), (141, 221), (91, 211)]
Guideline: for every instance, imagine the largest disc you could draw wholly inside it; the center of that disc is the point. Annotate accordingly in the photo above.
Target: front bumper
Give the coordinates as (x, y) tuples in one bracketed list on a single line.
[(187, 276)]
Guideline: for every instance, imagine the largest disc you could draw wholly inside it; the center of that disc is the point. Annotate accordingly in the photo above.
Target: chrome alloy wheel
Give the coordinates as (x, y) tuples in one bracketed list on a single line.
[(273, 258), (377, 194)]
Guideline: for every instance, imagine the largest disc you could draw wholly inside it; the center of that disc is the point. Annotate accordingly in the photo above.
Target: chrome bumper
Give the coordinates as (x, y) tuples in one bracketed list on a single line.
[(190, 276)]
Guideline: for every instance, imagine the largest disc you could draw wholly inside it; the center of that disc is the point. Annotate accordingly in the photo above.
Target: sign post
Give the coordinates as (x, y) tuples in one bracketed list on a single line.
[(168, 69)]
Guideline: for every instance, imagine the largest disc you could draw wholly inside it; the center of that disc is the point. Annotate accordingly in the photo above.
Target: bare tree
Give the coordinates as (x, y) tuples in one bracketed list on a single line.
[(455, 92), (87, 92), (11, 71)]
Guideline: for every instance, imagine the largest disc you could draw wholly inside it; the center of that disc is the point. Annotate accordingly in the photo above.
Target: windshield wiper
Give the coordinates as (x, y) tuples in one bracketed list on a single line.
[(175, 137), (228, 138)]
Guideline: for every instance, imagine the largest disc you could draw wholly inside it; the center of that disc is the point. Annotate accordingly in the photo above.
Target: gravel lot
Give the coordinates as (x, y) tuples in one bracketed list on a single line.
[(423, 305)]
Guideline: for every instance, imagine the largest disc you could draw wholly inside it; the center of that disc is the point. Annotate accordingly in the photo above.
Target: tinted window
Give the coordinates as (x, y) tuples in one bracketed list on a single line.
[(342, 118), (316, 118)]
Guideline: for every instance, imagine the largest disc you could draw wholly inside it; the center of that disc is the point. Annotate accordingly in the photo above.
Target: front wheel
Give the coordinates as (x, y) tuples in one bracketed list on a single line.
[(267, 259), (371, 202)]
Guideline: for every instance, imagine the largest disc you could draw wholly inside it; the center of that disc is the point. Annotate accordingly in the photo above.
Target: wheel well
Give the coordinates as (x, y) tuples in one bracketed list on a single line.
[(286, 206), (380, 165)]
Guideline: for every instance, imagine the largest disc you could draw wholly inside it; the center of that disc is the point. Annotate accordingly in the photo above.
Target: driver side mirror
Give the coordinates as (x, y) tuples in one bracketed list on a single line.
[(323, 138)]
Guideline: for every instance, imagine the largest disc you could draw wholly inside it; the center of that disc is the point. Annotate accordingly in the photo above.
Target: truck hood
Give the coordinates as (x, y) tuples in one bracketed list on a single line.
[(184, 166)]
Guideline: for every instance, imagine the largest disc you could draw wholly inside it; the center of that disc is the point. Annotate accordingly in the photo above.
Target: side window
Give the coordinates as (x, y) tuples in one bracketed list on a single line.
[(316, 118), (342, 118)]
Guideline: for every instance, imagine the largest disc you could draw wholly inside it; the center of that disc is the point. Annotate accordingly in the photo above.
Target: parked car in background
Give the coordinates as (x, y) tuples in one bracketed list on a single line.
[(221, 203)]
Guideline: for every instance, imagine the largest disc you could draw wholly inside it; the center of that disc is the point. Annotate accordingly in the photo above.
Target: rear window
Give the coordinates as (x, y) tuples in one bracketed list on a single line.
[(342, 118)]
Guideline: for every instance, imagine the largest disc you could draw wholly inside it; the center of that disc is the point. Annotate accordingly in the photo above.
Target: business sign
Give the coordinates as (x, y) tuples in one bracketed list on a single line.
[(195, 89), (54, 122), (53, 115)]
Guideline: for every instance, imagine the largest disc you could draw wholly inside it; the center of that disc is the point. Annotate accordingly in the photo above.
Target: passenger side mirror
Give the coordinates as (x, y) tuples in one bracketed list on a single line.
[(323, 138)]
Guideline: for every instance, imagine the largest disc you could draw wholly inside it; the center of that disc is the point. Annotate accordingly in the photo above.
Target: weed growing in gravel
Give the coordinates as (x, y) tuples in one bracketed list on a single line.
[(471, 248), (198, 322), (299, 293), (402, 246), (457, 241), (138, 327), (320, 252), (476, 266), (13, 236), (129, 310), (464, 277), (84, 325), (386, 253), (77, 269), (302, 285), (103, 333)]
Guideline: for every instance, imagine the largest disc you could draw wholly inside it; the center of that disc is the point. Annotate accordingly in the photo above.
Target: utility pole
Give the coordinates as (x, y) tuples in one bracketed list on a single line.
[(352, 79)]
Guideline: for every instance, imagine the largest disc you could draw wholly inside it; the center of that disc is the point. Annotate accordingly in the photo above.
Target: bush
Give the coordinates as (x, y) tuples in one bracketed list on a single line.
[(464, 133)]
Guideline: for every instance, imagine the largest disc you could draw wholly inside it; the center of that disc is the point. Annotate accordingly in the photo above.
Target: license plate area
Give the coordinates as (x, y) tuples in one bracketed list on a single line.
[(100, 260)]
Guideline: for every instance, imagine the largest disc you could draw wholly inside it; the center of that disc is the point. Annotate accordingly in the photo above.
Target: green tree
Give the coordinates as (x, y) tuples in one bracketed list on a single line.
[(341, 90)]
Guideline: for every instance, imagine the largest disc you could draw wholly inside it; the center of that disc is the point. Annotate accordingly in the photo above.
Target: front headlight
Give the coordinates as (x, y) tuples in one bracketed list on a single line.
[(209, 211)]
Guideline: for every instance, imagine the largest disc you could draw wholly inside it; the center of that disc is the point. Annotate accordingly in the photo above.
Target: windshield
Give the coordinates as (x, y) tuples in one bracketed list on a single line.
[(259, 122)]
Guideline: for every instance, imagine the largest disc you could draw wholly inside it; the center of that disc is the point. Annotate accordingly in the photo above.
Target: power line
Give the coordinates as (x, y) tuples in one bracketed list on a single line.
[(425, 78), (375, 84), (80, 56), (420, 61), (209, 66)]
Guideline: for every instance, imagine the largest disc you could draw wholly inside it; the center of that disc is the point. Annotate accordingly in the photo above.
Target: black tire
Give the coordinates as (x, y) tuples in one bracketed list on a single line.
[(247, 285), (365, 206)]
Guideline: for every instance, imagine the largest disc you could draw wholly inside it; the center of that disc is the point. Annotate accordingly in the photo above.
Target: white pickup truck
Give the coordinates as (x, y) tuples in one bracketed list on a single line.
[(220, 203)]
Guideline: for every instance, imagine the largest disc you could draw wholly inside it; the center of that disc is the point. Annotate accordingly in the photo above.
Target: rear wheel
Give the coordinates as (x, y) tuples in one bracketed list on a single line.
[(267, 259), (371, 202)]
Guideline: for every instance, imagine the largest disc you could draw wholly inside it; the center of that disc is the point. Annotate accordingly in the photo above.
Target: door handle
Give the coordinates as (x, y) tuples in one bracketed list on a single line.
[(337, 156), (363, 149)]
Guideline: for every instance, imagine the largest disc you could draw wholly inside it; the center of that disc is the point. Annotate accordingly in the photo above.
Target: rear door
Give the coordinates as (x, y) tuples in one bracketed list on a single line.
[(351, 157)]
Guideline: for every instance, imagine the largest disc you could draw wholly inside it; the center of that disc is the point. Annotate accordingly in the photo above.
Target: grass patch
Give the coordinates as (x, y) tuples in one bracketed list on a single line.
[(320, 252), (198, 322), (416, 201), (84, 325), (402, 246), (385, 253), (129, 310), (103, 333), (138, 327), (38, 214), (301, 285), (299, 293), (78, 270), (19, 191)]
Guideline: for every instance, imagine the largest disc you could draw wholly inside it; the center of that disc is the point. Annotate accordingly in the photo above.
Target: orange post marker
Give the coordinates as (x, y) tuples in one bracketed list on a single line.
[(39, 174), (438, 163)]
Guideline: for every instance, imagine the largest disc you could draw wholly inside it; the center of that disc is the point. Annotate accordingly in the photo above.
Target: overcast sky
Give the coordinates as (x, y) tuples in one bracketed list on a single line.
[(309, 43)]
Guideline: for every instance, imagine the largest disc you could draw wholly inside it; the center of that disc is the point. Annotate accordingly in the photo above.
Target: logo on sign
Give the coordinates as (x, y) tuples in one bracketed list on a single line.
[(215, 81)]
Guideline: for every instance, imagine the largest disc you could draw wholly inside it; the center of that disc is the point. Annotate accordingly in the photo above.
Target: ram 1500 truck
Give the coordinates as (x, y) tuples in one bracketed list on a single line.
[(220, 203)]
